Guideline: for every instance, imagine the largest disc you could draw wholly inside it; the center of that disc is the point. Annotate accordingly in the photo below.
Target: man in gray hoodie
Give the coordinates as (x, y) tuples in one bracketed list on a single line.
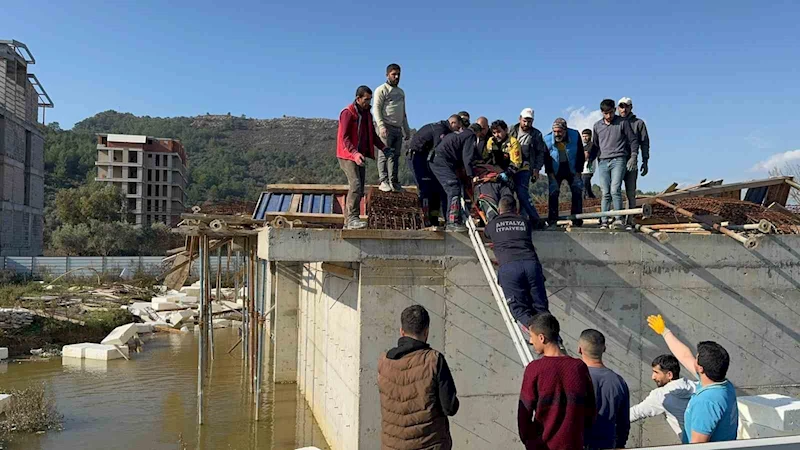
[(625, 109), (670, 398)]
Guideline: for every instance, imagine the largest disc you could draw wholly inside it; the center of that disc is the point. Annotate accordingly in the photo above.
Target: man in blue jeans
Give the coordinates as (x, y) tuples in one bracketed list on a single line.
[(564, 162), (520, 274), (618, 153), (533, 151)]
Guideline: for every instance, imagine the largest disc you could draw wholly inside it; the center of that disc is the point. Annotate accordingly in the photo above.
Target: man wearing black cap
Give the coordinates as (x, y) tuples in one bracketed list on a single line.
[(625, 109), (564, 162)]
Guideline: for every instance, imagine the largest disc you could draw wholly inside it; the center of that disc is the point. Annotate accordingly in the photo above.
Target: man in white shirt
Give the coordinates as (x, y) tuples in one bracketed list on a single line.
[(392, 126), (671, 397)]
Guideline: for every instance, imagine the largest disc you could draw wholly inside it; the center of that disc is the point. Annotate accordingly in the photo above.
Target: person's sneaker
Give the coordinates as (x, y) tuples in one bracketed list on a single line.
[(577, 223), (397, 187), (628, 227), (455, 228), (603, 226), (355, 224), (385, 187), (616, 226)]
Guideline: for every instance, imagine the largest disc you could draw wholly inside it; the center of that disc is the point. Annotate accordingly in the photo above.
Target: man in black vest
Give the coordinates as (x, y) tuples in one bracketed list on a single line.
[(520, 274)]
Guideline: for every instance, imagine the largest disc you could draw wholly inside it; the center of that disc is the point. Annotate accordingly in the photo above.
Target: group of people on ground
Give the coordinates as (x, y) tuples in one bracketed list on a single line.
[(565, 403), (488, 162)]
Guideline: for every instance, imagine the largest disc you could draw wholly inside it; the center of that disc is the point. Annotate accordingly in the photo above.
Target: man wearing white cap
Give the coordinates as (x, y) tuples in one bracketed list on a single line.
[(625, 108), (533, 150)]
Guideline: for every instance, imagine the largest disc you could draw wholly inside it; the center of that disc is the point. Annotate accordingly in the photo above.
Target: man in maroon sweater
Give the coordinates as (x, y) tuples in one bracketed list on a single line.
[(558, 389)]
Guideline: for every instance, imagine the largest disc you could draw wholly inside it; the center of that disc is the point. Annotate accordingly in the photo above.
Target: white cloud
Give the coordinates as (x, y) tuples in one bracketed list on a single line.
[(581, 118), (778, 160)]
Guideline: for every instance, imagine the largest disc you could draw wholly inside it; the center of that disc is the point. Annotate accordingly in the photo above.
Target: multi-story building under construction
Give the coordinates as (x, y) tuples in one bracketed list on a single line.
[(21, 152), (151, 172)]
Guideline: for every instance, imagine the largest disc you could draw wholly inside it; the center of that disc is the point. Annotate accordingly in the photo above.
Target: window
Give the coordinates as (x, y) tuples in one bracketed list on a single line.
[(149, 206), (157, 190), (165, 176), (132, 189), (27, 199), (133, 157), (149, 175), (158, 159), (131, 205), (163, 205), (133, 172)]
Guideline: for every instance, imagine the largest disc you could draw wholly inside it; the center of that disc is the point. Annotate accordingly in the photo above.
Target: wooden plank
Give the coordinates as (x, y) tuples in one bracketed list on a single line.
[(677, 195), (675, 226), (339, 271), (319, 188), (309, 217), (223, 234), (669, 189), (781, 209), (414, 235), (228, 219), (777, 194), (294, 206)]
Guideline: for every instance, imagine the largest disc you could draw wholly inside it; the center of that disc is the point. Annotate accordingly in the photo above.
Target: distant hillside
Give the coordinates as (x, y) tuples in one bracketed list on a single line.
[(229, 157)]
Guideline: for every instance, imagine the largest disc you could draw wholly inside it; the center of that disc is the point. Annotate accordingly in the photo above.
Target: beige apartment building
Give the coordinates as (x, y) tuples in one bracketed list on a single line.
[(21, 152), (151, 172)]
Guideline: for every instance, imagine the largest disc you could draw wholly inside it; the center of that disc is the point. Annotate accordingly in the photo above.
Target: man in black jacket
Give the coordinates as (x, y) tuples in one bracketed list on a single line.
[(409, 377), (456, 150), (432, 198), (520, 274)]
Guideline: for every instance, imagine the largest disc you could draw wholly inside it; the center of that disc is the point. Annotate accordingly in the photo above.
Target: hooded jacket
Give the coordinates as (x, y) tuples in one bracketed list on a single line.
[(458, 150), (417, 394), (428, 137), (670, 400), (505, 154)]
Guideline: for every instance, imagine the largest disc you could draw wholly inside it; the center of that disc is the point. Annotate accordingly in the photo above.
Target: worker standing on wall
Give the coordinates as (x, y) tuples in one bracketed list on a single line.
[(392, 124), (590, 153), (520, 273), (625, 109), (533, 152), (564, 162), (416, 388), (432, 198), (355, 141)]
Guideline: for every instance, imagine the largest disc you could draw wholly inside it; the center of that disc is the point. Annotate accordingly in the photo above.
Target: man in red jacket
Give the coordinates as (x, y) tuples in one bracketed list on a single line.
[(557, 401), (355, 142)]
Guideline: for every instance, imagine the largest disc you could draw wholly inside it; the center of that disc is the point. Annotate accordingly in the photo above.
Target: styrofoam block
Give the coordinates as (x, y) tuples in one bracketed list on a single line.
[(160, 299), (232, 305), (104, 352), (120, 335), (191, 291), (749, 430), (178, 317), (188, 299), (5, 402), (144, 328), (3, 353), (775, 411), (166, 306), (73, 350), (221, 323)]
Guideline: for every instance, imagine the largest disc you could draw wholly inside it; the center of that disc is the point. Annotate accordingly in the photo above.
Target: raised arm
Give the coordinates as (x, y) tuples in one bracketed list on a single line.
[(678, 348)]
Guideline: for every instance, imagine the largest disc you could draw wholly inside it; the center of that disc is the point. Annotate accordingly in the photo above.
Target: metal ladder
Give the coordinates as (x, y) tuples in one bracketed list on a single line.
[(520, 341)]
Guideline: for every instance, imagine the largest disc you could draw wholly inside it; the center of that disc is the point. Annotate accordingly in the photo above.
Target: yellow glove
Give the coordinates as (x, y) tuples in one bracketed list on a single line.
[(657, 324)]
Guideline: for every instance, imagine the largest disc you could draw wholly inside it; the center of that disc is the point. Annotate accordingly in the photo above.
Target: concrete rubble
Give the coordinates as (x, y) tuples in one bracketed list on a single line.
[(5, 402), (768, 415)]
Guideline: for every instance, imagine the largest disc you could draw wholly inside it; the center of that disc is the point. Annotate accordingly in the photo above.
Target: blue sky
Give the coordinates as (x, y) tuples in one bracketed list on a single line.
[(716, 82)]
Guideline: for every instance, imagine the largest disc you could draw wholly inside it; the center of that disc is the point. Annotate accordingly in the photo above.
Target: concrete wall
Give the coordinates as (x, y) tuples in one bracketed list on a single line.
[(707, 287)]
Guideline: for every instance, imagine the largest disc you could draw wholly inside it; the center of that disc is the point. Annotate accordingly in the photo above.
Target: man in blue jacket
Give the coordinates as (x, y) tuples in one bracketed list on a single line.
[(564, 162)]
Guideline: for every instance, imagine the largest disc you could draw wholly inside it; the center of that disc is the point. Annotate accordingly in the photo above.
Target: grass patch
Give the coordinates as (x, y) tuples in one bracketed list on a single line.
[(31, 410)]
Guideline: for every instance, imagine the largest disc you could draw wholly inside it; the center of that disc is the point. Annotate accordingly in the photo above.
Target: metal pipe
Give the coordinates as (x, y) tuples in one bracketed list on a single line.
[(245, 308), (645, 211), (763, 226), (253, 319), (209, 309), (749, 243), (201, 341), (792, 183)]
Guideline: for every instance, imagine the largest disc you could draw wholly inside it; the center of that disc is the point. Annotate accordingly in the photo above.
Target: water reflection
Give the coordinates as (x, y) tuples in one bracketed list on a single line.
[(150, 401)]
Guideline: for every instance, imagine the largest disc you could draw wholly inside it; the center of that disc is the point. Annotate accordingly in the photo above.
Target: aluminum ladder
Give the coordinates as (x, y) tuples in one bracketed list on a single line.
[(517, 337)]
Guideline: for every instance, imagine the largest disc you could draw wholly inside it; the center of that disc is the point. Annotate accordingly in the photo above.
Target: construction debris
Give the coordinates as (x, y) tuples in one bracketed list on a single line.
[(394, 211), (100, 352), (735, 212)]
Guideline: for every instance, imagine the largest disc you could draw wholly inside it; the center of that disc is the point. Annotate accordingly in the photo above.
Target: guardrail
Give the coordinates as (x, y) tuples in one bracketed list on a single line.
[(124, 266)]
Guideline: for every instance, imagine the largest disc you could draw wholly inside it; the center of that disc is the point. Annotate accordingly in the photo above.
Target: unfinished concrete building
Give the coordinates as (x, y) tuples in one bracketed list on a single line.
[(151, 172), (21, 153)]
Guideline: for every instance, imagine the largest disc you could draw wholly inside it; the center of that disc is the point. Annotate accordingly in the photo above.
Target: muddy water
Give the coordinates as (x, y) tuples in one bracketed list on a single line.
[(150, 402)]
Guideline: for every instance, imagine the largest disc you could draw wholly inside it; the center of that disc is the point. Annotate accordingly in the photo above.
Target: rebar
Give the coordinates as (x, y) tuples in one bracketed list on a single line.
[(748, 242)]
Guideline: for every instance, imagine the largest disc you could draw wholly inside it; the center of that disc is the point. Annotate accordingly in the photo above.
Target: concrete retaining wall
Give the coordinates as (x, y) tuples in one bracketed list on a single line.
[(707, 287)]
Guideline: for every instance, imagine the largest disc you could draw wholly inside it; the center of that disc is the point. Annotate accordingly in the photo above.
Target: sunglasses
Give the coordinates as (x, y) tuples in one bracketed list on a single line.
[(624, 105)]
